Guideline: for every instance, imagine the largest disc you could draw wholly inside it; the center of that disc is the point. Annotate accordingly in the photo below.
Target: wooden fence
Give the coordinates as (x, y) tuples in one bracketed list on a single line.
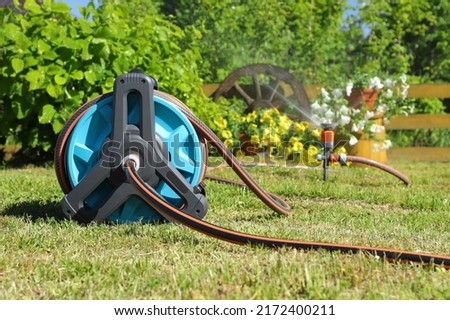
[(422, 121)]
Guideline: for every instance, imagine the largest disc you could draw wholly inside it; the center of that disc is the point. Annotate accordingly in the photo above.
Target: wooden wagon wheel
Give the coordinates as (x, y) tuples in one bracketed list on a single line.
[(266, 86)]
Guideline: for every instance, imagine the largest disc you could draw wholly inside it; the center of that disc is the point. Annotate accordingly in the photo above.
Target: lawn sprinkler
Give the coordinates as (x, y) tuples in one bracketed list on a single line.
[(327, 139), (139, 155), (327, 157)]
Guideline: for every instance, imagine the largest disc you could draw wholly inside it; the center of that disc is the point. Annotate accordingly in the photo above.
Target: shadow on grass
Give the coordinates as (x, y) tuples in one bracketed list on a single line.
[(35, 210)]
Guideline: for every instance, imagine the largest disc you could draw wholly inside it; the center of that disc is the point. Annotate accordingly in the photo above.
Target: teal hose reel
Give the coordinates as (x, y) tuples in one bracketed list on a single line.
[(132, 122)]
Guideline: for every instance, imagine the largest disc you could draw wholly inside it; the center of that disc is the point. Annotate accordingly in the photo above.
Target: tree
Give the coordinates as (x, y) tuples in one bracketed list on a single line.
[(304, 36), (406, 36)]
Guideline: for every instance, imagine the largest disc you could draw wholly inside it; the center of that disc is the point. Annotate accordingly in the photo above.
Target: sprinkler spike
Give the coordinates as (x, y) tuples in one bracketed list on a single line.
[(328, 145)]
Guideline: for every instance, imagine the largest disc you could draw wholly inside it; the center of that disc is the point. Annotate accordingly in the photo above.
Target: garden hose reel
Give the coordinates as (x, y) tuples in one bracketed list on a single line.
[(131, 124)]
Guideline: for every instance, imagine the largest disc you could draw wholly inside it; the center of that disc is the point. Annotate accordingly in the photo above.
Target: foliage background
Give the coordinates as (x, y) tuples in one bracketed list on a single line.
[(51, 62)]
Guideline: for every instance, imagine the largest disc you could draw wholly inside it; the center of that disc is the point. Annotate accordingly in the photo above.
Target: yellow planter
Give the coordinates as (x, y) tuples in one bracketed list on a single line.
[(367, 146)]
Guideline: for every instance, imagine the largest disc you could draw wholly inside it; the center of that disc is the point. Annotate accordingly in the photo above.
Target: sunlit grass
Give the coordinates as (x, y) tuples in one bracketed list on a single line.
[(44, 256)]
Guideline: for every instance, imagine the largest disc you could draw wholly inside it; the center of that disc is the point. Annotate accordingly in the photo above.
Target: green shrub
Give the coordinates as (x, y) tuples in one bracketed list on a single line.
[(51, 63)]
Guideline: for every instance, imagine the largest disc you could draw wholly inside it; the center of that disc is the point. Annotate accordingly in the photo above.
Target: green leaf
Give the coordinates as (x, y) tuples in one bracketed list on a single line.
[(11, 31), (46, 145), (57, 124), (32, 6), (109, 84), (30, 62), (90, 76), (101, 49), (53, 91), (85, 55), (17, 64), (61, 79), (42, 46), (50, 55), (77, 75), (48, 111), (54, 69), (105, 32), (60, 7), (35, 78), (121, 65), (20, 111), (85, 26)]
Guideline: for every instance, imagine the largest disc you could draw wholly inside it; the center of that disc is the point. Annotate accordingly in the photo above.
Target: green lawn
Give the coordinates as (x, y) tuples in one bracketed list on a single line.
[(44, 256)]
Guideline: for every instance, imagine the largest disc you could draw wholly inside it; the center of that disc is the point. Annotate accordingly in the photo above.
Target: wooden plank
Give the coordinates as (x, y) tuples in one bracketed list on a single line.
[(429, 90), (420, 153), (312, 90), (423, 90), (419, 121), (209, 89)]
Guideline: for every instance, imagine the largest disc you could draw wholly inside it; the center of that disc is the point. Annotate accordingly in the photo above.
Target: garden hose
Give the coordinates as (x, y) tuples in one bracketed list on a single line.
[(380, 166), (343, 159), (95, 191), (176, 214), (241, 238)]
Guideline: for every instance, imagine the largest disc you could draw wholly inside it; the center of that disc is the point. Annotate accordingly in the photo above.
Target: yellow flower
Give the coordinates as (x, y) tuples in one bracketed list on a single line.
[(226, 134), (287, 152), (228, 143), (285, 124), (297, 146), (266, 118), (234, 116), (221, 123), (266, 132), (254, 139), (312, 150), (340, 150), (240, 154), (275, 139), (310, 157), (317, 133), (301, 127), (293, 140), (250, 117)]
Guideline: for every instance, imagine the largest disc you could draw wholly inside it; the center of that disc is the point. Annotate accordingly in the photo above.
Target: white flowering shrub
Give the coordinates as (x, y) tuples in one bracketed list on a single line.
[(332, 106)]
